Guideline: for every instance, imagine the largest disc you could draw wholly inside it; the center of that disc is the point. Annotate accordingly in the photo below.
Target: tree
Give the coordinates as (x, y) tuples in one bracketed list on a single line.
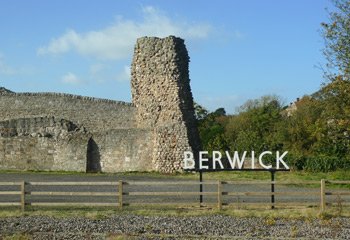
[(298, 132), (334, 121), (336, 34), (199, 111), (220, 112), (317, 134), (255, 127), (211, 131)]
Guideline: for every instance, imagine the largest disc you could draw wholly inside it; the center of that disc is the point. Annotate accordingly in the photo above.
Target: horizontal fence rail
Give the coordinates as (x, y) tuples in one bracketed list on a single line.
[(128, 193)]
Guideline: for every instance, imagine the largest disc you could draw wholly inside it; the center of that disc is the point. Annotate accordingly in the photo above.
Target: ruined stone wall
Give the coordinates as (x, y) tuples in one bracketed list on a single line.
[(94, 114), (51, 131), (162, 96), (123, 150), (50, 144), (42, 144)]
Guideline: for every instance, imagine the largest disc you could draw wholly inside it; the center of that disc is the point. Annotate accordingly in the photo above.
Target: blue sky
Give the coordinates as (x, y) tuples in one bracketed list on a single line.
[(239, 49)]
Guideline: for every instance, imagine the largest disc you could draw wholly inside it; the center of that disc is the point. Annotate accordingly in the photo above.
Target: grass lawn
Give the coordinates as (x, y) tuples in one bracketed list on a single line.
[(184, 211), (224, 176), (295, 176), (279, 176)]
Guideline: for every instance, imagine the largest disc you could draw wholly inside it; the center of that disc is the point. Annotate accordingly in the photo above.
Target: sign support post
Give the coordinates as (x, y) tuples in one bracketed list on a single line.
[(272, 189), (272, 172), (200, 188)]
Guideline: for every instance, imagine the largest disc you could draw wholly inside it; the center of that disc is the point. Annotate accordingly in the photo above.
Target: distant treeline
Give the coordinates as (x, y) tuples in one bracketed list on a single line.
[(315, 130)]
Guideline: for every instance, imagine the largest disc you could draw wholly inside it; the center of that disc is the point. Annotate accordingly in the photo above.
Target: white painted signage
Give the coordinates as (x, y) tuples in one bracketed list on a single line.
[(236, 160)]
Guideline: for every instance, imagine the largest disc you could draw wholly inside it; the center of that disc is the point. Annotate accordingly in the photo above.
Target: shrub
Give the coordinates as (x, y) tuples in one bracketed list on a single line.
[(322, 163), (296, 161)]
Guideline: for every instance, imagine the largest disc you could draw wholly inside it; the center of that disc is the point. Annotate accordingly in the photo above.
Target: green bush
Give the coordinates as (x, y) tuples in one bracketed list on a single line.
[(319, 163), (296, 161), (322, 163), (344, 164)]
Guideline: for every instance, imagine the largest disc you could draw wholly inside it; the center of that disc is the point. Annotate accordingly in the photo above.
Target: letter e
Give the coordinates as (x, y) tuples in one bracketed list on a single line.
[(202, 159)]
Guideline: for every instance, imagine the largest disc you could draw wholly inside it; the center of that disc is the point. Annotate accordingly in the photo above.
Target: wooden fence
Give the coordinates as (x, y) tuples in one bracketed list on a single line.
[(218, 193)]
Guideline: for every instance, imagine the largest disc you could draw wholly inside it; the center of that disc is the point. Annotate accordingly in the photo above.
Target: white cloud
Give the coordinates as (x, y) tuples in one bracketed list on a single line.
[(117, 40), (71, 79), (125, 75)]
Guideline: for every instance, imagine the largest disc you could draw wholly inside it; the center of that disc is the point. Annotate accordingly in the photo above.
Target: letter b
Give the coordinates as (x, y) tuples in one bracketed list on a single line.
[(188, 160)]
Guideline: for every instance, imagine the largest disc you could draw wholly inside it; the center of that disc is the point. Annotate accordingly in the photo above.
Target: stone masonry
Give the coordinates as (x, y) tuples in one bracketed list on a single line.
[(44, 143), (162, 96), (54, 131)]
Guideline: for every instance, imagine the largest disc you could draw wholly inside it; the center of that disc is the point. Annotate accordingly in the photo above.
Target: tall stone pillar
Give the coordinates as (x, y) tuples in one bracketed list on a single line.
[(161, 92)]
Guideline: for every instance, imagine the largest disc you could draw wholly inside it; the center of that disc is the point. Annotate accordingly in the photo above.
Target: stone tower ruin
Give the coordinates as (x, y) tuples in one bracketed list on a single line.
[(64, 132), (161, 93)]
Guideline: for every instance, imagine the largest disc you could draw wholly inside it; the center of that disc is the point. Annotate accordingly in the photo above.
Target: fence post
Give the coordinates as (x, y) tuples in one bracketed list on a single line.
[(23, 193), (219, 195), (120, 195), (272, 189), (200, 189), (323, 195)]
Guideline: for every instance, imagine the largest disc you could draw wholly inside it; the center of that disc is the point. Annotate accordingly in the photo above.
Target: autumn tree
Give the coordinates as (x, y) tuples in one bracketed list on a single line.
[(336, 34), (334, 120), (254, 127), (211, 127)]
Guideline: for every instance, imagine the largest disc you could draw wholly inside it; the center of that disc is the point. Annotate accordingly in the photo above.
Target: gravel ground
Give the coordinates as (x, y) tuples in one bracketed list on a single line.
[(153, 227)]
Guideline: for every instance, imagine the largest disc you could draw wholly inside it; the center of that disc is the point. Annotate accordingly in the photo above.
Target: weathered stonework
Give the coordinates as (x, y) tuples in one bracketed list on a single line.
[(94, 114), (53, 131), (42, 143), (162, 96)]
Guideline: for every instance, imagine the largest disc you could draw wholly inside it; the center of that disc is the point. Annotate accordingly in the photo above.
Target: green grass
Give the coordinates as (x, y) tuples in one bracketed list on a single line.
[(292, 176), (187, 211), (224, 176), (279, 176), (17, 236), (145, 174)]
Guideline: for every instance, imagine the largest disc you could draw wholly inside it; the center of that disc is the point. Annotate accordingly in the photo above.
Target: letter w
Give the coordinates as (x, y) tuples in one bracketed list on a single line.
[(236, 159)]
